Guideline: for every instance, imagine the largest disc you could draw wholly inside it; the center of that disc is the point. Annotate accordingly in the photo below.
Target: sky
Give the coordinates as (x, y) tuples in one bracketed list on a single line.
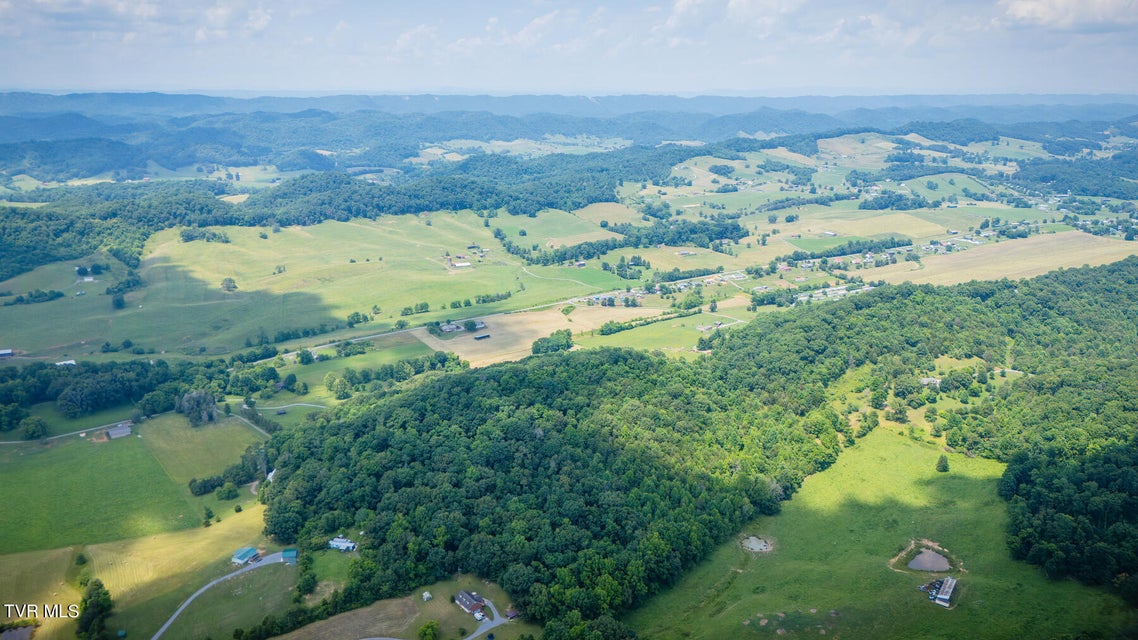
[(503, 47)]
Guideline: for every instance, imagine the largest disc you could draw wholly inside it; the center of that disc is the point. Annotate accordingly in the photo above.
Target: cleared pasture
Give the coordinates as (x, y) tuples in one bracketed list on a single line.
[(402, 617), (187, 452), (111, 490), (242, 601), (150, 576), (1023, 258), (302, 277), (512, 335), (828, 571), (611, 212), (39, 577)]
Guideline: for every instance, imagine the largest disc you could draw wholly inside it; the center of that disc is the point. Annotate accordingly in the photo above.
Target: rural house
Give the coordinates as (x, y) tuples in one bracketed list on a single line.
[(470, 602), (341, 543)]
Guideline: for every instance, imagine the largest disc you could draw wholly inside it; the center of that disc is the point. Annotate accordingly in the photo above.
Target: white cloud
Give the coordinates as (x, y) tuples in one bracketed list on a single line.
[(258, 19), (1074, 14), (415, 41)]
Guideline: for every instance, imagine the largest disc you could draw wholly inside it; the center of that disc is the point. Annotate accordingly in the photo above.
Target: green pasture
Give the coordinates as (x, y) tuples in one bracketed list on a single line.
[(919, 186), (107, 490), (117, 489), (186, 452), (241, 601), (611, 212), (550, 229), (301, 277), (58, 424), (829, 567), (857, 151), (1012, 148)]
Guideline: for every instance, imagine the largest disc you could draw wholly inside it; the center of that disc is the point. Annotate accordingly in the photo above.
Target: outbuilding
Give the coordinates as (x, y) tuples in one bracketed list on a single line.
[(244, 555), (121, 430), (944, 594), (289, 556)]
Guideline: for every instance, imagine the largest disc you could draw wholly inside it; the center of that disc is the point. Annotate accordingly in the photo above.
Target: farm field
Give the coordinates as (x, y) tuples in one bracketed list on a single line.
[(325, 272), (105, 480), (512, 335), (1016, 259), (828, 568)]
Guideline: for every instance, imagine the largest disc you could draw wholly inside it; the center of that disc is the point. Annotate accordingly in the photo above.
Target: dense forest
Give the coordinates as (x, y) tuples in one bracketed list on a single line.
[(584, 481)]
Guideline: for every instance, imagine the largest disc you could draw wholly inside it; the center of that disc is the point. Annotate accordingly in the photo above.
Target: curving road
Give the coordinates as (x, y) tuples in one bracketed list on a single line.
[(272, 558)]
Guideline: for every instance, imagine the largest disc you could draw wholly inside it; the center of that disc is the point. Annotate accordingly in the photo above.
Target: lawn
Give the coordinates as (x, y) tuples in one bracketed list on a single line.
[(186, 452), (829, 567)]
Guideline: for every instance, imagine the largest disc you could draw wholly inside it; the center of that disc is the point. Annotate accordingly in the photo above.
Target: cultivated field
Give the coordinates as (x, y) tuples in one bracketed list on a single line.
[(828, 569)]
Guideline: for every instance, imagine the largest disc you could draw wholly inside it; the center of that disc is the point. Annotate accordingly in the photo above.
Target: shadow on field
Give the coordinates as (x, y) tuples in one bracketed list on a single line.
[(181, 312)]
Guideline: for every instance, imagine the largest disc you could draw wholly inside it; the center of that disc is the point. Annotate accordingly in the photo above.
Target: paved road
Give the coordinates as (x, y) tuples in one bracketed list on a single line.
[(272, 558)]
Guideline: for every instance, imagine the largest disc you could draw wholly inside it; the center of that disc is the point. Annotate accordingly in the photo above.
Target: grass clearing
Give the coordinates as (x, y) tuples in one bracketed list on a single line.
[(194, 452), (242, 601), (402, 617), (611, 212), (112, 490), (828, 568)]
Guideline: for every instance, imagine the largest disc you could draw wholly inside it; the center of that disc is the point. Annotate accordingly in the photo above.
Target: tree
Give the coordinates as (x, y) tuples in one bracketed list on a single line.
[(94, 609), (118, 301), (33, 428), (942, 463), (229, 285), (429, 631), (470, 325)]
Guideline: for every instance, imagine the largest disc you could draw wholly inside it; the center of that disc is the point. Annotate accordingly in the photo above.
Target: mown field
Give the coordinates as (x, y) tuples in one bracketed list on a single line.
[(828, 570)]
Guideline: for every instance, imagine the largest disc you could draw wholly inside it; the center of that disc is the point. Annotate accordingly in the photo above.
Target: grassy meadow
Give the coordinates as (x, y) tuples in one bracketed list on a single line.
[(829, 571), (113, 490)]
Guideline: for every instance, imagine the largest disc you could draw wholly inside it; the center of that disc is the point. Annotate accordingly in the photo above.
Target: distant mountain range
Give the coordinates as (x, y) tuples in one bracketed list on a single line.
[(876, 111)]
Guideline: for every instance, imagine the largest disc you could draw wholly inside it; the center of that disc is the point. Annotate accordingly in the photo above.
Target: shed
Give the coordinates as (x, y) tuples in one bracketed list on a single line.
[(121, 430), (289, 556), (944, 595), (5, 353), (244, 555)]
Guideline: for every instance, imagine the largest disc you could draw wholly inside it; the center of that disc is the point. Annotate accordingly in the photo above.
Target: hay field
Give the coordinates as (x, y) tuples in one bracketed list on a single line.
[(1023, 258), (512, 335), (610, 211)]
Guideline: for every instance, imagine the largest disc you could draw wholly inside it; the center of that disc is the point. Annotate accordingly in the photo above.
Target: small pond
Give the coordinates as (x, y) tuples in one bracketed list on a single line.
[(928, 560)]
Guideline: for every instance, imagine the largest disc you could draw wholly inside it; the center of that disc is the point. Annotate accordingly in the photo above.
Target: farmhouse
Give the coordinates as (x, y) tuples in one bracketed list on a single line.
[(245, 555), (342, 544), (470, 602), (121, 430), (944, 595)]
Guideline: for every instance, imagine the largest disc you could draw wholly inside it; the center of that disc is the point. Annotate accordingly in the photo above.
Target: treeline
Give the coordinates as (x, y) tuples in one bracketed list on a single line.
[(853, 247), (1113, 177), (699, 233)]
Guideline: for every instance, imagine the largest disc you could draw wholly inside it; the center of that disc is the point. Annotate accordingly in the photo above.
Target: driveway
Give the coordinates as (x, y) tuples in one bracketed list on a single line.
[(272, 558)]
